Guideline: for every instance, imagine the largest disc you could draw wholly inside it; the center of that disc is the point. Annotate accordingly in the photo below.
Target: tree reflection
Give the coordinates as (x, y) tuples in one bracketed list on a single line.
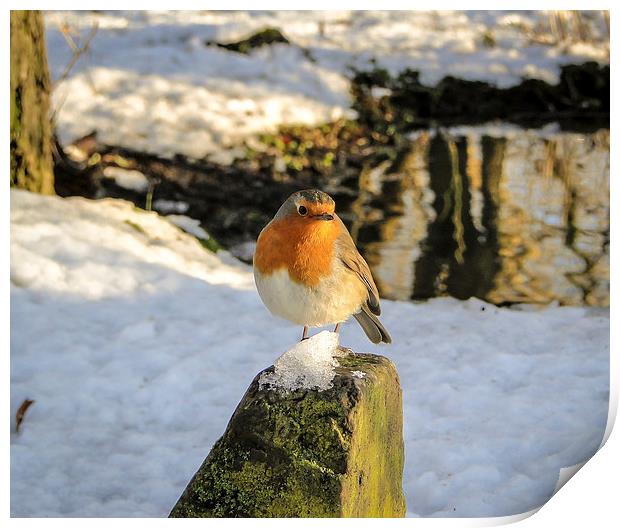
[(516, 218)]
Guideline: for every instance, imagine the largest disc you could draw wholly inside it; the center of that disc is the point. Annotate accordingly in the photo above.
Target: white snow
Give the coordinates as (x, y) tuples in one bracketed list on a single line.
[(133, 180), (189, 225), (244, 250), (170, 206), (308, 365), (150, 83), (137, 344)]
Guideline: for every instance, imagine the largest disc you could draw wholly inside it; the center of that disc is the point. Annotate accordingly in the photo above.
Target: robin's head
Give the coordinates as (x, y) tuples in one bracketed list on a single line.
[(311, 205)]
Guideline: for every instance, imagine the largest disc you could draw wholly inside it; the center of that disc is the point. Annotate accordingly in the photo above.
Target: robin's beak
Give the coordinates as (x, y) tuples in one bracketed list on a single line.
[(323, 216)]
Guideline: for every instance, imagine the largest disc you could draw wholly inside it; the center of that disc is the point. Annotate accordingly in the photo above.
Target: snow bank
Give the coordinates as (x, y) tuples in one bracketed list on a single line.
[(126, 333), (150, 83), (308, 365)]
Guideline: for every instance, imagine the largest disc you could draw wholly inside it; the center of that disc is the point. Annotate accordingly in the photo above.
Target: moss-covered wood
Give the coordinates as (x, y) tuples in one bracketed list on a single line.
[(308, 453), (31, 154)]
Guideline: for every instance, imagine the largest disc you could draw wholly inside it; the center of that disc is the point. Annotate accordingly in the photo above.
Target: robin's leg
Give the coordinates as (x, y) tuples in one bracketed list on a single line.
[(344, 351), (304, 336)]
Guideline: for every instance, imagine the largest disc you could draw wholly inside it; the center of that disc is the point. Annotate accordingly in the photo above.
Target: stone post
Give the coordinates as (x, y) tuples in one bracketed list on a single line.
[(336, 452)]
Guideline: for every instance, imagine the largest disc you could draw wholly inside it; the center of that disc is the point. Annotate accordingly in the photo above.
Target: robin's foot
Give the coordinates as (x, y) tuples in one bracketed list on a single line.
[(304, 336), (337, 329)]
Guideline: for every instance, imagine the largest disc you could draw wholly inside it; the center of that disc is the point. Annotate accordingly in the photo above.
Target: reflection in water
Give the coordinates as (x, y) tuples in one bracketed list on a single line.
[(516, 216)]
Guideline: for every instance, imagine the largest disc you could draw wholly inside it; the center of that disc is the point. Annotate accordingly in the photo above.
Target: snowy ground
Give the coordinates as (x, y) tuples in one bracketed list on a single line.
[(136, 345), (150, 83)]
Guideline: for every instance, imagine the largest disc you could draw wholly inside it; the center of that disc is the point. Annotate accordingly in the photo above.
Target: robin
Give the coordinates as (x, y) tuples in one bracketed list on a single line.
[(307, 269)]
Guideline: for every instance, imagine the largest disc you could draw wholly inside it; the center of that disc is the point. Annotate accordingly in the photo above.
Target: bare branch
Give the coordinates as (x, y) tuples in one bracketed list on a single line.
[(78, 51)]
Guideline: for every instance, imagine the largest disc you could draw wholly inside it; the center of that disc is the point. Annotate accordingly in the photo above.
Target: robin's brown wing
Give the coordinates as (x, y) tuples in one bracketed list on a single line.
[(350, 257)]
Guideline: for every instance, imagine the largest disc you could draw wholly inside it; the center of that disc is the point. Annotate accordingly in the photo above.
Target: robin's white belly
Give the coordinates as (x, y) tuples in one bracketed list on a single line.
[(332, 301)]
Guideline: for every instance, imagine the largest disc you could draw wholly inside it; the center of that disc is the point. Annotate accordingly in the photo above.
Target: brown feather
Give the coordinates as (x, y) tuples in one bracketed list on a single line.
[(372, 327), (350, 257)]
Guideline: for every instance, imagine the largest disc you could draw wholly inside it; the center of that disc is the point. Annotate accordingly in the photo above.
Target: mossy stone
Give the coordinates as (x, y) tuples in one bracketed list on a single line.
[(308, 453)]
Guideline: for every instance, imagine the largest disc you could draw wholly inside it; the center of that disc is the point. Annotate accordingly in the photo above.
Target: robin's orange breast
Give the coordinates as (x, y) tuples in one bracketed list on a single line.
[(303, 246)]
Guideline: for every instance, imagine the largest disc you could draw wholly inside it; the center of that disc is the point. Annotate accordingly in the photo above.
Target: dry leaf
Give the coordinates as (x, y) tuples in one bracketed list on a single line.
[(19, 415)]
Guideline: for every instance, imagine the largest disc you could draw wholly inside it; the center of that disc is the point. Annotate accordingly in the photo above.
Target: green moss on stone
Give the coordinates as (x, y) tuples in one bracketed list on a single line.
[(308, 453)]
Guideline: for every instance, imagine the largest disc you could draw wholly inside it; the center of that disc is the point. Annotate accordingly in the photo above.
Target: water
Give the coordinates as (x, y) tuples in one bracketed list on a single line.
[(504, 214)]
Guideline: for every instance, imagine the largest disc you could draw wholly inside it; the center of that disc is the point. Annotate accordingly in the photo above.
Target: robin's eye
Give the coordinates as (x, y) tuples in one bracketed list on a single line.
[(302, 210)]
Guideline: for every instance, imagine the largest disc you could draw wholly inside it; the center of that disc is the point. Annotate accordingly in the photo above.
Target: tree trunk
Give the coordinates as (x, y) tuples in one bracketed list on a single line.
[(31, 152)]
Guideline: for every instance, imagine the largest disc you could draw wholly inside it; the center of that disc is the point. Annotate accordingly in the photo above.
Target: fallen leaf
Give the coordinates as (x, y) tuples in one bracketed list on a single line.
[(19, 415)]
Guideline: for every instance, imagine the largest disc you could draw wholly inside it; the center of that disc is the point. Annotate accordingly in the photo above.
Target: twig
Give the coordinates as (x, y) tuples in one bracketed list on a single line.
[(78, 51)]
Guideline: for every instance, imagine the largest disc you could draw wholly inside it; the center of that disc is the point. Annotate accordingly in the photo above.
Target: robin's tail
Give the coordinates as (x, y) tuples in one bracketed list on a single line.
[(373, 328)]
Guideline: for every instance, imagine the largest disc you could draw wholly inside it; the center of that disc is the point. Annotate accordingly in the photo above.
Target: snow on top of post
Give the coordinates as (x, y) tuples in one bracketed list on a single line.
[(308, 365)]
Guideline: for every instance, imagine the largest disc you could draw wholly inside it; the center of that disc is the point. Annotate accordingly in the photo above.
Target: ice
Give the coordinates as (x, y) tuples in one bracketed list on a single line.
[(308, 365)]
